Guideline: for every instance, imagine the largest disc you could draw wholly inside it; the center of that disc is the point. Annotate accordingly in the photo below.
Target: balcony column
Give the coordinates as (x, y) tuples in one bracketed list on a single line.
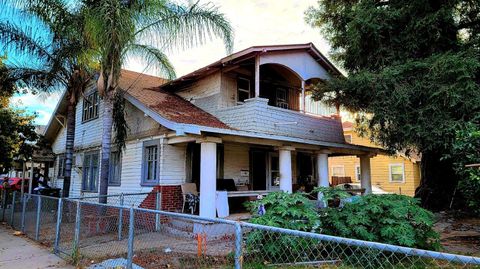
[(257, 76), (285, 167), (208, 176), (365, 175), (302, 97), (322, 171)]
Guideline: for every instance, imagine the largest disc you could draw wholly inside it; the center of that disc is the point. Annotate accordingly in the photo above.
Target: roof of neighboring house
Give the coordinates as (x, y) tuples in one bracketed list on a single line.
[(347, 125), (249, 53), (146, 89)]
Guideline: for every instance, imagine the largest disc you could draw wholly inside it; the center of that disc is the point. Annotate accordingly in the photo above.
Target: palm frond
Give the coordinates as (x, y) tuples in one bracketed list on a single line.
[(176, 25), (13, 37), (153, 58), (44, 80)]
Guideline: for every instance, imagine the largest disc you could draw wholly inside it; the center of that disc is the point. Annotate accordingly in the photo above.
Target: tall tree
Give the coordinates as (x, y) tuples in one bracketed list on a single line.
[(49, 33), (144, 29), (413, 75)]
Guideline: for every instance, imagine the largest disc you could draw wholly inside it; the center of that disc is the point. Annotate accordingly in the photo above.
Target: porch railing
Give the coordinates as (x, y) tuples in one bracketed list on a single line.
[(119, 236)]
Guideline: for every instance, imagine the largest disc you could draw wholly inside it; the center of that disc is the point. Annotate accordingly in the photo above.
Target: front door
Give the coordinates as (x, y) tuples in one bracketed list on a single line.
[(258, 168), (273, 172)]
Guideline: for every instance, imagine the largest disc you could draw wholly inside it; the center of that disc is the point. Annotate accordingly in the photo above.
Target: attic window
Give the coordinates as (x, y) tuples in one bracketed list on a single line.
[(90, 107), (243, 90)]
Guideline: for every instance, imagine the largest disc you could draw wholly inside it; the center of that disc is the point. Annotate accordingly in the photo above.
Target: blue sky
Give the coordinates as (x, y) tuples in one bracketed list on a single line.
[(255, 22)]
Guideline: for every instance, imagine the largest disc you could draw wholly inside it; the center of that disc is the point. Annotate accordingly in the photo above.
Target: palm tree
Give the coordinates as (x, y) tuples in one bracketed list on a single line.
[(58, 56), (123, 28)]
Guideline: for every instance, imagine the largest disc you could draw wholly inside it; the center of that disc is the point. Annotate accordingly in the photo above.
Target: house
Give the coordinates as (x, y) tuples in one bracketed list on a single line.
[(247, 117), (396, 174)]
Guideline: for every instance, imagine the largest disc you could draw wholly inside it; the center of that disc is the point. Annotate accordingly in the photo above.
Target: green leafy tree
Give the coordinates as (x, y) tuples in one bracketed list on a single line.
[(16, 127), (413, 77), (145, 29), (50, 34)]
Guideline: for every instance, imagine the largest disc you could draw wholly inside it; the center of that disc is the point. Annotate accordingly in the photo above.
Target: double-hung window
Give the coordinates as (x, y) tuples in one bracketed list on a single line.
[(114, 174), (90, 107), (61, 166), (150, 163), (358, 174), (397, 173), (338, 171), (90, 171), (243, 90)]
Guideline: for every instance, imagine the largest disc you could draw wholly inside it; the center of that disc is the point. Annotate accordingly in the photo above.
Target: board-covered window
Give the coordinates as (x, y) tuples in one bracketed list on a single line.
[(243, 89), (90, 171), (150, 162), (61, 166), (397, 172), (114, 174), (90, 107)]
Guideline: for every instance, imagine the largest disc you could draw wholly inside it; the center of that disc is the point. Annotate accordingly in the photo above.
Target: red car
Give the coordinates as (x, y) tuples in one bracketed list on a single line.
[(16, 184)]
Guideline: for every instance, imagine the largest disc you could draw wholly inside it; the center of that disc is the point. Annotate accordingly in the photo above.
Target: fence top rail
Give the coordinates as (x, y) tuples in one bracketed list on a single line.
[(188, 216), (41, 196), (374, 245), (95, 203), (109, 195)]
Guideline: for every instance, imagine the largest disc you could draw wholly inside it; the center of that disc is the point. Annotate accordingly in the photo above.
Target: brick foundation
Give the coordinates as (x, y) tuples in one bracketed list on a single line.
[(172, 199)]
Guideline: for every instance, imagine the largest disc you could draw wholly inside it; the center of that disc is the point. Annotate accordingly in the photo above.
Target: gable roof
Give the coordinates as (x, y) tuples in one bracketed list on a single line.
[(146, 89), (249, 53)]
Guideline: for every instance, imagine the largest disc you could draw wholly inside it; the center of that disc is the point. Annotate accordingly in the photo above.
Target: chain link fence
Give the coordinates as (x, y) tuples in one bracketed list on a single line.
[(86, 232)]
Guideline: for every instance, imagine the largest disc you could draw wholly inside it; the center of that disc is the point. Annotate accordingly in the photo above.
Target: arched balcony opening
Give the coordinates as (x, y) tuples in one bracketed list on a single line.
[(281, 86)]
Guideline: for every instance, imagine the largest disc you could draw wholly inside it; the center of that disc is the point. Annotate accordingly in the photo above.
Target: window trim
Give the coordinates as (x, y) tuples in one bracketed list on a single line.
[(96, 113), (60, 157), (357, 176), (243, 90), (119, 182), (350, 138), (390, 172), (93, 152), (337, 166), (143, 181)]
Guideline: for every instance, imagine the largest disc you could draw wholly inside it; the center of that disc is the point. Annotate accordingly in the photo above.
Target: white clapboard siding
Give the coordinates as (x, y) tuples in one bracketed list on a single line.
[(236, 159)]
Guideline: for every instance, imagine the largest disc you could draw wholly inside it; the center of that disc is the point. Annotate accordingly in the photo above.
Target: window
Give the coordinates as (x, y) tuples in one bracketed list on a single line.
[(90, 172), (358, 173), (114, 174), (348, 138), (61, 166), (282, 101), (150, 164), (338, 171), (90, 107), (397, 173), (243, 89)]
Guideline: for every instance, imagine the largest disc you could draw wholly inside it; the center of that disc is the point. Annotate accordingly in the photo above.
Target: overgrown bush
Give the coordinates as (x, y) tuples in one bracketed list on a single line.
[(390, 218)]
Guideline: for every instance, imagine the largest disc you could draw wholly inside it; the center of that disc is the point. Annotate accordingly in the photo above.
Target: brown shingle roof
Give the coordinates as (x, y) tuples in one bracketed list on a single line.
[(347, 125), (146, 89)]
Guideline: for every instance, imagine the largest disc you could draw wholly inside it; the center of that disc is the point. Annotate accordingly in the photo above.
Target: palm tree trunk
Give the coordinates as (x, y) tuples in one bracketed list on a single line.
[(69, 149), (106, 145)]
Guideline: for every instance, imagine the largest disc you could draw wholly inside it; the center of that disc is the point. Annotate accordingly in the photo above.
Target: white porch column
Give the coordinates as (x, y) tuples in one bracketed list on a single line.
[(257, 76), (322, 171), (208, 176), (365, 176), (285, 166)]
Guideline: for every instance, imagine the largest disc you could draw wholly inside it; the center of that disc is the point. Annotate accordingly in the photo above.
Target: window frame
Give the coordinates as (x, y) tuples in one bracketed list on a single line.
[(86, 174), (358, 175), (248, 91), (338, 166), (111, 169), (61, 166), (282, 102), (144, 181), (350, 138), (90, 101), (390, 172)]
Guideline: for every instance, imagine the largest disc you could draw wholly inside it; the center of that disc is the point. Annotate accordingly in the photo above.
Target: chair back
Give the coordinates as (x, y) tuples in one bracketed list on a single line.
[(189, 188), (340, 180)]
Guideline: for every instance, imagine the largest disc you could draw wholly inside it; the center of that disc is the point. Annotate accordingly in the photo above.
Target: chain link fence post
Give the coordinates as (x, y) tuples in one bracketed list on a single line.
[(12, 215), (37, 220), (131, 231), (238, 246), (4, 203), (24, 208), (59, 223), (120, 218), (76, 237), (158, 206)]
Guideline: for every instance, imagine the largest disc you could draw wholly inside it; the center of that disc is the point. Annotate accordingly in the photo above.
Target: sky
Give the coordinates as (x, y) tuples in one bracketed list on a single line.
[(255, 22)]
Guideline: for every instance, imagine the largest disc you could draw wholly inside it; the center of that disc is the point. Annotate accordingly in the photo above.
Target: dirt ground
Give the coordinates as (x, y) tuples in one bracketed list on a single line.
[(459, 233)]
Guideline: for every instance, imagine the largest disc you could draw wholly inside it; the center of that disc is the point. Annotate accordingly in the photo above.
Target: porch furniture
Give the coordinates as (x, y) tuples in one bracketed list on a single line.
[(190, 196), (340, 180)]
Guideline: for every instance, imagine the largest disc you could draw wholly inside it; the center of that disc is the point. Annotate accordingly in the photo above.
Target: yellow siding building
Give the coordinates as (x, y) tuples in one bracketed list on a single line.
[(396, 174)]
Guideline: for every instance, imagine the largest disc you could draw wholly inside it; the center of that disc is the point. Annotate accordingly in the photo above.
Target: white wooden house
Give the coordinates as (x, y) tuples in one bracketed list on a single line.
[(247, 117)]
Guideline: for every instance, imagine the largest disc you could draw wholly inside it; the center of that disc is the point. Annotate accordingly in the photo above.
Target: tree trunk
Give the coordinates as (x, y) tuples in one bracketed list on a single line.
[(69, 149), (438, 182), (106, 145)]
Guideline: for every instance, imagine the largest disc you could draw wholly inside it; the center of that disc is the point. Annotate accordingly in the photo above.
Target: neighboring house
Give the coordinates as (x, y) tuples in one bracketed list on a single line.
[(396, 174), (247, 118)]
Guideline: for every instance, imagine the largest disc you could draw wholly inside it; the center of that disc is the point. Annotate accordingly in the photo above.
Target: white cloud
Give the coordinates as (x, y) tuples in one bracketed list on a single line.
[(42, 104)]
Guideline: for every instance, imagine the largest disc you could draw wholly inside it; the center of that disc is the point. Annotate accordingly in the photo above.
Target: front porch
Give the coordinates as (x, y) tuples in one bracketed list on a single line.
[(247, 167)]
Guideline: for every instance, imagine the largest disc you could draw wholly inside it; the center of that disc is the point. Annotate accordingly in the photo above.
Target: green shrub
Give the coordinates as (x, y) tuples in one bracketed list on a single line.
[(391, 219)]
